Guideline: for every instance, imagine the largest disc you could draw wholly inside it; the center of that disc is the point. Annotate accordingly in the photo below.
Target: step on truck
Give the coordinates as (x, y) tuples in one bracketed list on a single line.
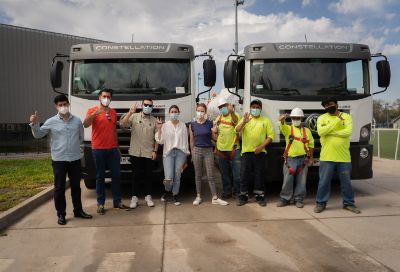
[(164, 72), (288, 75)]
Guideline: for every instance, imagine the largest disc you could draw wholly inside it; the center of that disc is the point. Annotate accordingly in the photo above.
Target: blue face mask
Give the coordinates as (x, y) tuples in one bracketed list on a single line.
[(255, 112), (147, 109), (174, 116), (224, 110)]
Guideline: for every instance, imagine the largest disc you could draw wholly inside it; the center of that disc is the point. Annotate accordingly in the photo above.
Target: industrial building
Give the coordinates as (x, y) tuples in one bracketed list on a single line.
[(26, 55)]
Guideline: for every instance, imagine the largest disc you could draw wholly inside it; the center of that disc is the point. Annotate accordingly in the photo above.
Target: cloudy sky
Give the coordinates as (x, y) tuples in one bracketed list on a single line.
[(210, 23)]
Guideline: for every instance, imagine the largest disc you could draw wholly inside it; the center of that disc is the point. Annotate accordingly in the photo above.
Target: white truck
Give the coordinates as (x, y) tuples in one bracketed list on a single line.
[(288, 75), (164, 72)]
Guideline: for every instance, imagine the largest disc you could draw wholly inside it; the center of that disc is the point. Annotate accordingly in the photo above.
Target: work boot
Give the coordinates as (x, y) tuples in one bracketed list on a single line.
[(319, 207), (299, 204), (242, 199), (260, 199), (352, 208), (282, 203)]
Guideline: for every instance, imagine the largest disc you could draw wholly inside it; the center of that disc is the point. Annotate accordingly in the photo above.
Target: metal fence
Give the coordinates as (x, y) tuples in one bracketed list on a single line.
[(386, 143), (18, 139)]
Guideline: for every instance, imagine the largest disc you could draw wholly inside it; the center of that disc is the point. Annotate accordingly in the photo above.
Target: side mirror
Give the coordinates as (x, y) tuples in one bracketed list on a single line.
[(209, 72), (241, 74), (230, 73), (383, 68), (56, 74)]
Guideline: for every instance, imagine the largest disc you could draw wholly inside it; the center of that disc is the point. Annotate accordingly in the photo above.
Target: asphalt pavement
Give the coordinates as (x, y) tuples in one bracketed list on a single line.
[(216, 238)]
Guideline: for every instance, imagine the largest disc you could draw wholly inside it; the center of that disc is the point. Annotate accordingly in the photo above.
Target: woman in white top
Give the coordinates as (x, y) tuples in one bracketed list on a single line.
[(174, 136)]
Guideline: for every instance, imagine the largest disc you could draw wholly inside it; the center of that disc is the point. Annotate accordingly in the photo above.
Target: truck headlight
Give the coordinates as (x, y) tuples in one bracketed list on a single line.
[(365, 133), (364, 153)]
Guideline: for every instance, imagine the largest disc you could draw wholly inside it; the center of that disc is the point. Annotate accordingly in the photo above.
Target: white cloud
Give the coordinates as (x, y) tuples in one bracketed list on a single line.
[(356, 6), (391, 49), (306, 2)]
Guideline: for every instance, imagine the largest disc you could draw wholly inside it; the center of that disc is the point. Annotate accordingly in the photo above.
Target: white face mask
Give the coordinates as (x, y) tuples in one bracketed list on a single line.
[(200, 114), (63, 110), (296, 123), (105, 102)]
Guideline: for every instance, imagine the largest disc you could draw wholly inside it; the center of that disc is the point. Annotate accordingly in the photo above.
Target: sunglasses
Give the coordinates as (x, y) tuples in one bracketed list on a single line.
[(108, 116), (148, 105)]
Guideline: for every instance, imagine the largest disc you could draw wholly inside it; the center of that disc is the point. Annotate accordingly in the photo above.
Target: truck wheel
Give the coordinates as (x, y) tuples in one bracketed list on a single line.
[(90, 183)]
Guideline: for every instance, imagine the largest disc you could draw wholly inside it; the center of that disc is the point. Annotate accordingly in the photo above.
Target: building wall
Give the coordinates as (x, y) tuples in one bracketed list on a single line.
[(25, 61)]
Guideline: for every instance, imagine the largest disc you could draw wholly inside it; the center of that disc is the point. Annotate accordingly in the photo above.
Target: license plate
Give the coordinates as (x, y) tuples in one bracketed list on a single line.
[(315, 162), (125, 160)]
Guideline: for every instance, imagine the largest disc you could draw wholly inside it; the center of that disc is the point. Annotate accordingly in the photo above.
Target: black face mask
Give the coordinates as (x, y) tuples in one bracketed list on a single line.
[(331, 109)]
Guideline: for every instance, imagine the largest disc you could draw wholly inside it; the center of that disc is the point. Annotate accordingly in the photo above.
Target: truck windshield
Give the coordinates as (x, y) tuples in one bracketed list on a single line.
[(133, 76), (309, 77)]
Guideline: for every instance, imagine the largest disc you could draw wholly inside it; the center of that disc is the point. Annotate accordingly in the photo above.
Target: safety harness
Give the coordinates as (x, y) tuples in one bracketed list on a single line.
[(286, 152)]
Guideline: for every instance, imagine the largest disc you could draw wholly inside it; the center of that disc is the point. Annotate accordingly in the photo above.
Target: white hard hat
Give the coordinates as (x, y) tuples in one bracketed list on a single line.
[(222, 101), (297, 112)]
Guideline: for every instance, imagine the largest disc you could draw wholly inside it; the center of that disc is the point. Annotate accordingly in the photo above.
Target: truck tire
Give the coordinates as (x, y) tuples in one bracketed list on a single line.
[(90, 183)]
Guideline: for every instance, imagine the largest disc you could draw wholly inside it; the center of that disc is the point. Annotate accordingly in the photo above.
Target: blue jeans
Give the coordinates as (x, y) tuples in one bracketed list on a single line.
[(288, 180), (230, 170), (326, 170), (111, 159), (173, 163)]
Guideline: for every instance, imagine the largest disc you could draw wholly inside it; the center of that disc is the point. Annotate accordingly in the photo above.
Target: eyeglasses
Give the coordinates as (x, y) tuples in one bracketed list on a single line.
[(108, 116), (148, 105)]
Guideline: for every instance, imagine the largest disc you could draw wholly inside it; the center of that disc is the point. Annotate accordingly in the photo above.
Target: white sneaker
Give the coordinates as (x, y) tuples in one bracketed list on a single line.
[(197, 201), (134, 202), (218, 201), (149, 201)]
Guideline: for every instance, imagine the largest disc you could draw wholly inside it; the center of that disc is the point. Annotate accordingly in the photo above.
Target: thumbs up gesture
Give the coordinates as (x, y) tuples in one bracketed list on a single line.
[(34, 118)]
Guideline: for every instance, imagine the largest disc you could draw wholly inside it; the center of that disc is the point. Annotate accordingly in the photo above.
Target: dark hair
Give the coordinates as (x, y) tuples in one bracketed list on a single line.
[(106, 90), (174, 107), (256, 101), (201, 105), (61, 98), (148, 99), (327, 100)]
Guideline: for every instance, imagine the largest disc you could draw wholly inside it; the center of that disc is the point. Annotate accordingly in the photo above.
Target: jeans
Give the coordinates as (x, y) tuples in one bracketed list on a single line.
[(142, 168), (173, 163), (252, 163), (230, 170), (111, 159), (326, 170), (60, 170), (288, 180)]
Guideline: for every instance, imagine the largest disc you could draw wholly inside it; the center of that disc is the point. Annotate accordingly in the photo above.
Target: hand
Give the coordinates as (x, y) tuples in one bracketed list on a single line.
[(133, 109), (339, 114), (310, 161), (98, 111), (34, 119), (214, 129), (153, 156), (159, 123), (282, 118), (246, 117), (258, 149)]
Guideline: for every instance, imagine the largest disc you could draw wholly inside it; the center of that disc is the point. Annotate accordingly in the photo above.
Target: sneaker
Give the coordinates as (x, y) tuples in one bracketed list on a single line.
[(260, 199), (166, 196), (218, 201), (176, 201), (134, 202), (149, 201), (197, 201), (282, 203), (352, 208), (319, 207), (242, 199), (121, 206), (100, 209), (299, 204)]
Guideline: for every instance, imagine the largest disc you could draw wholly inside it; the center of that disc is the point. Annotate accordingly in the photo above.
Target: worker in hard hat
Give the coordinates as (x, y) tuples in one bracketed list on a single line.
[(298, 155)]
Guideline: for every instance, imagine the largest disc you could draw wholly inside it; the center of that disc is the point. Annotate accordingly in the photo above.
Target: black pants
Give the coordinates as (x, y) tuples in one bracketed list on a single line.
[(252, 164), (60, 170), (142, 169)]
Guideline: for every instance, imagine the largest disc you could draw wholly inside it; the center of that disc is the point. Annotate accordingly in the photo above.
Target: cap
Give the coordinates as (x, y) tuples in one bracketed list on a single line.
[(256, 101)]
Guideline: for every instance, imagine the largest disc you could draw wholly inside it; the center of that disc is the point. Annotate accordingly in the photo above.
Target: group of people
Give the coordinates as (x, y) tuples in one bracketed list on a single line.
[(241, 144)]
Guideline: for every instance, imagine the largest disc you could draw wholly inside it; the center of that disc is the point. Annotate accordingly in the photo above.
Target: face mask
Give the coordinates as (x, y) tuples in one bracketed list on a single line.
[(147, 109), (224, 110), (105, 102), (199, 114), (296, 123), (174, 116), (63, 110), (255, 112), (331, 109)]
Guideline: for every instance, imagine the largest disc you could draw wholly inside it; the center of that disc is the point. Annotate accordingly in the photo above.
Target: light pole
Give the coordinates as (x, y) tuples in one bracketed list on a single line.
[(237, 3)]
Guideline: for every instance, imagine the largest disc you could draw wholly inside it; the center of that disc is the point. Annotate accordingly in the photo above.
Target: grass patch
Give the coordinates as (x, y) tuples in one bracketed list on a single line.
[(387, 146), (23, 178)]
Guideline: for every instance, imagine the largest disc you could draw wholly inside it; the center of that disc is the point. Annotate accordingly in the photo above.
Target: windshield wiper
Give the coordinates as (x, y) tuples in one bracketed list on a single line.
[(287, 91)]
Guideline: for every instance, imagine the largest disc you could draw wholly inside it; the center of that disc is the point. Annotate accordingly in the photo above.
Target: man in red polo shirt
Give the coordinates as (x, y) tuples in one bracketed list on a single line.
[(103, 120)]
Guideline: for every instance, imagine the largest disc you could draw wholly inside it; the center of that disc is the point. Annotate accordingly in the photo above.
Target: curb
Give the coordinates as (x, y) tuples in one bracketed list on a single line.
[(14, 214)]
